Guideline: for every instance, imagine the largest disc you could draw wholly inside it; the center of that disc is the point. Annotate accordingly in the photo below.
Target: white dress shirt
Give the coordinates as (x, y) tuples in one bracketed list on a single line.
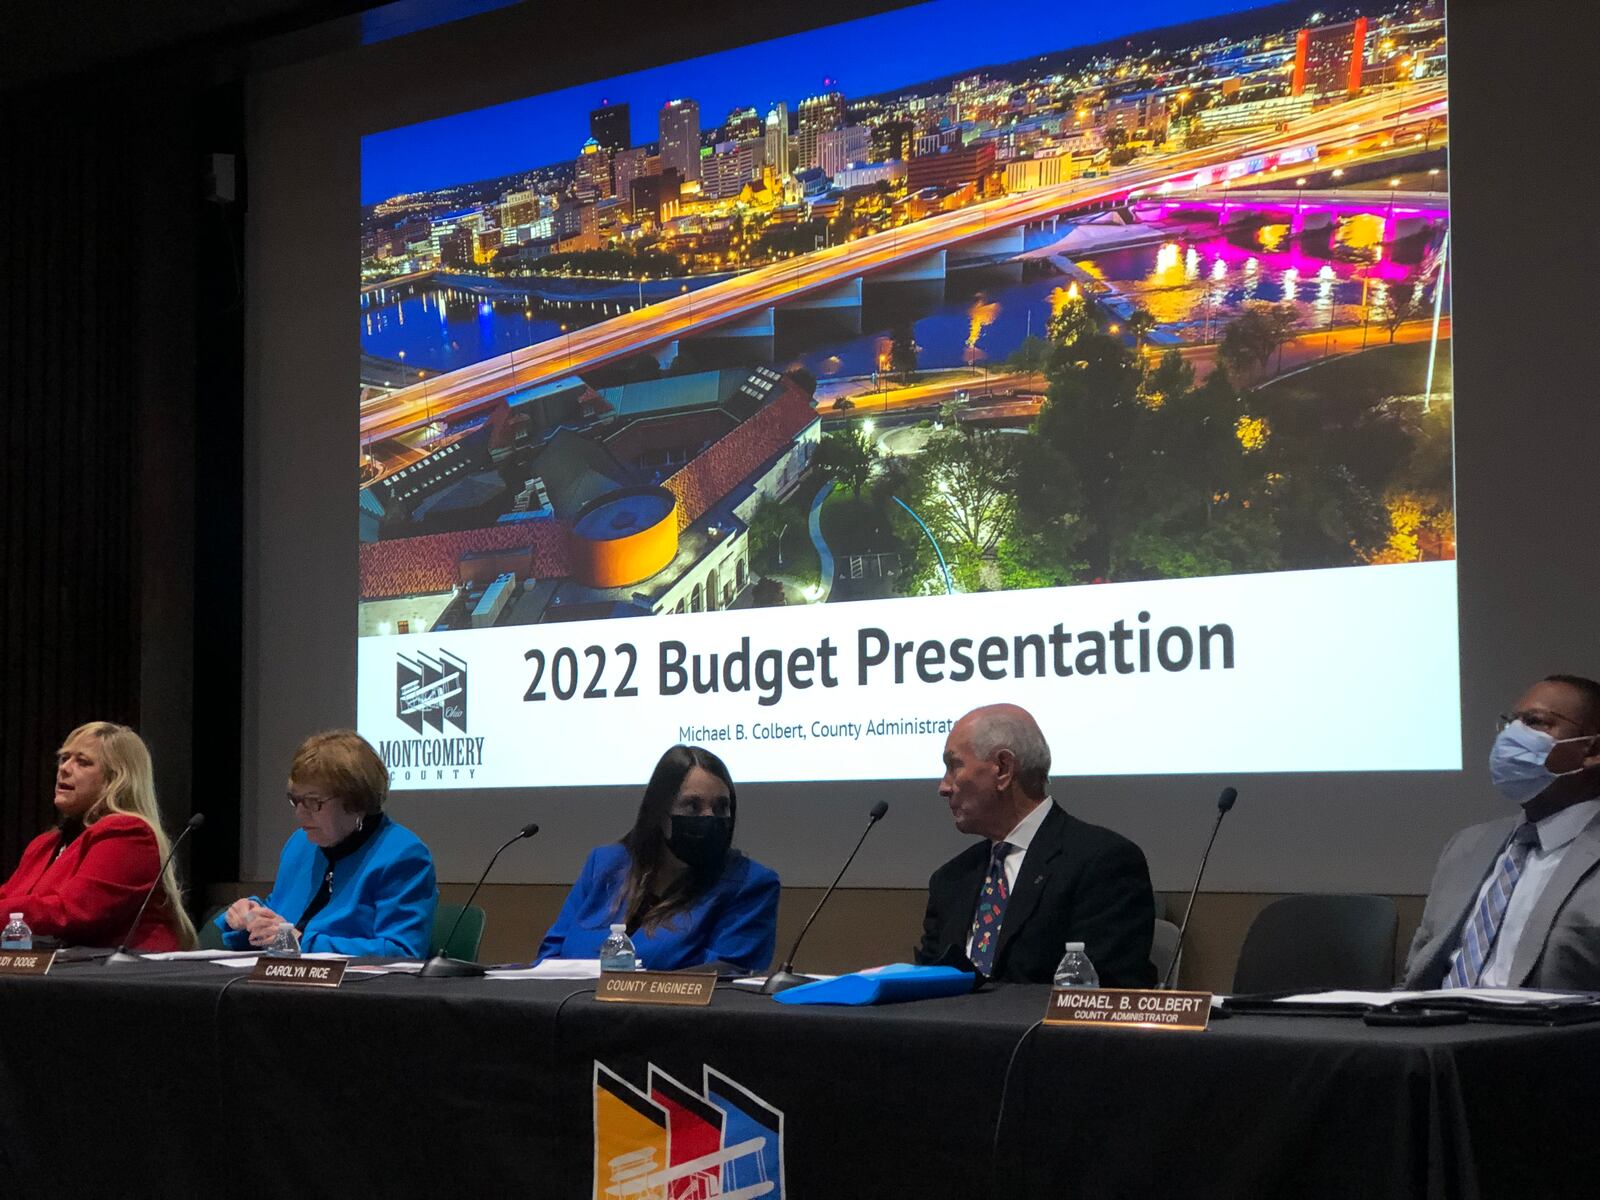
[(1019, 839), (1556, 832)]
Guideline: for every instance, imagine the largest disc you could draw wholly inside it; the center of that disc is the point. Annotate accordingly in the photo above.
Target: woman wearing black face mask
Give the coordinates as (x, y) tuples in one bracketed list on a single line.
[(686, 896)]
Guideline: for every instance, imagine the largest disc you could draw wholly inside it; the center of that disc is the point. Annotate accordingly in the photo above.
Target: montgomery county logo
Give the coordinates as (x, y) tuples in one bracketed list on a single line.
[(671, 1142), (431, 691)]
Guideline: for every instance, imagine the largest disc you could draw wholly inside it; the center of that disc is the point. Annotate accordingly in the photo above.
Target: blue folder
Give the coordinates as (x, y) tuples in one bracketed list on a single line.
[(883, 985)]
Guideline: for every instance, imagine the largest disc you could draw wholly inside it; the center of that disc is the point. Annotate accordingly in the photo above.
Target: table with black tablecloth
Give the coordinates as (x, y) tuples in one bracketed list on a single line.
[(185, 1079)]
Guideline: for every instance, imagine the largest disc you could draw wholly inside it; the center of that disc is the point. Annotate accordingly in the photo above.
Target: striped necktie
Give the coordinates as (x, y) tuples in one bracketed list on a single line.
[(1479, 933), (991, 911)]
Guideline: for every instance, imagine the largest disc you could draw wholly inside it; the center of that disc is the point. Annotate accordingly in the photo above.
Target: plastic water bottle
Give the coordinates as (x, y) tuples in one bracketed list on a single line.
[(16, 935), (1075, 970), (284, 943), (617, 952)]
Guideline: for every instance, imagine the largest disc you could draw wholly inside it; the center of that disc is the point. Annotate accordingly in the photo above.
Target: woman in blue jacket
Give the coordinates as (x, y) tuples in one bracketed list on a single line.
[(350, 880), (686, 896)]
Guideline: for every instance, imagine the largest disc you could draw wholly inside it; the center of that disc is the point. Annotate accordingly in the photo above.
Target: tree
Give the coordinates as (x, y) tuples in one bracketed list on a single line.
[(969, 488), (1072, 321), (1140, 322), (1172, 378), (903, 349), (1030, 357), (1247, 343), (964, 487), (847, 457), (1092, 420), (1396, 313), (1281, 320), (767, 593)]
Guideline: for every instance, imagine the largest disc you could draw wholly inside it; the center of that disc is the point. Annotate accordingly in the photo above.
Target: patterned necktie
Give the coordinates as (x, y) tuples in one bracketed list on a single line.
[(1480, 931), (991, 911)]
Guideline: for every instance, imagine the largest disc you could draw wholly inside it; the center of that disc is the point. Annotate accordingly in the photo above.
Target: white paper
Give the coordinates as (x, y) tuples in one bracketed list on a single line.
[(178, 955), (394, 968), (251, 960), (552, 968), (1512, 996)]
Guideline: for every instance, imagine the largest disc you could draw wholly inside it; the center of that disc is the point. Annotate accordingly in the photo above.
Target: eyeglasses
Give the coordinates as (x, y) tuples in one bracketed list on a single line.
[(312, 804), (1541, 719)]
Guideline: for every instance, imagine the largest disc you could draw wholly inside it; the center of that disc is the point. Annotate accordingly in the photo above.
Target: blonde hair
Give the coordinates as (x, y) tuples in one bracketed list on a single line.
[(130, 789), (343, 762)]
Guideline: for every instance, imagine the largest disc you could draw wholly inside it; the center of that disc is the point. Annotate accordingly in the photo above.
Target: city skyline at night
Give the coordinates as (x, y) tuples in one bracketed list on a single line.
[(550, 128)]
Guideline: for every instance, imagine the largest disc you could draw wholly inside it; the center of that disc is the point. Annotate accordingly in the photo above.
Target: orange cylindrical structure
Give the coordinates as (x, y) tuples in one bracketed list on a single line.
[(624, 536)]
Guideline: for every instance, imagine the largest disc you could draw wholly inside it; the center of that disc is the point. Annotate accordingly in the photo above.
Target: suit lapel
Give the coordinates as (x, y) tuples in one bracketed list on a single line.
[(1031, 878), (970, 883), (1578, 861), (1462, 897)]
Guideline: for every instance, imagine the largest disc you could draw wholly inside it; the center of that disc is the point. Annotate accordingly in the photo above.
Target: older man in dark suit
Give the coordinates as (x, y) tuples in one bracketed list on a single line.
[(1040, 878)]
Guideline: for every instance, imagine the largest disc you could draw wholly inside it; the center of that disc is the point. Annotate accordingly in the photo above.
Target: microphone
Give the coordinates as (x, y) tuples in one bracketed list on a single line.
[(785, 977), (1224, 803), (122, 954), (442, 967)]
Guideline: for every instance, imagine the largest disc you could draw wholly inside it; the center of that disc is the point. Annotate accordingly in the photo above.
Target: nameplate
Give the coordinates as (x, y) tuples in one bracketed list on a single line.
[(301, 972), (1129, 1008), (26, 962), (655, 987)]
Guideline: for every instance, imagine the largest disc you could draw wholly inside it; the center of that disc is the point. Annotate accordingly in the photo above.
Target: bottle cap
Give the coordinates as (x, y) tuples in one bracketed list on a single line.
[(16, 916), (1071, 946), (619, 929)]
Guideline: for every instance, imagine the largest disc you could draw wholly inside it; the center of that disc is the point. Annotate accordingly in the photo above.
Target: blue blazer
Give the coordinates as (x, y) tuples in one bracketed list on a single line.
[(735, 920), (382, 901)]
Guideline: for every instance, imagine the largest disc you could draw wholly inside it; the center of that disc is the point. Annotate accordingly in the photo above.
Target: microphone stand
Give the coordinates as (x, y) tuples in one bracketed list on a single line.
[(441, 966), (785, 977), (1224, 803), (122, 954)]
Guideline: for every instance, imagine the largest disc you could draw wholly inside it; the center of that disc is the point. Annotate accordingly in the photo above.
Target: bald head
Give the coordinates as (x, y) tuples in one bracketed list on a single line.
[(996, 727), (996, 769)]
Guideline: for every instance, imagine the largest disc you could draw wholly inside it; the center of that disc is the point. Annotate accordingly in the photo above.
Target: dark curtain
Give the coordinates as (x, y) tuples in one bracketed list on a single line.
[(70, 389), (107, 248)]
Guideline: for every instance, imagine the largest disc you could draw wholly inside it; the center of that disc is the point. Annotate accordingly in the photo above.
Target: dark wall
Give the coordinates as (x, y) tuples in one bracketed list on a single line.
[(115, 337)]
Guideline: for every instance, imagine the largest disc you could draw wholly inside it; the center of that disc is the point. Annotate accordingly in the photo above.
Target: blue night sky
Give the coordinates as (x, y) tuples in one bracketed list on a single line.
[(860, 58)]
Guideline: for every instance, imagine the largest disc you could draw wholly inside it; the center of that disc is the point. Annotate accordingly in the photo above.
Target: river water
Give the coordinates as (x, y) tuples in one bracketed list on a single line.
[(1191, 285)]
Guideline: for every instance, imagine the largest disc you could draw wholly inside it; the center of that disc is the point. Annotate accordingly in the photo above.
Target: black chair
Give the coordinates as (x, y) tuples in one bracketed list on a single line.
[(1311, 943)]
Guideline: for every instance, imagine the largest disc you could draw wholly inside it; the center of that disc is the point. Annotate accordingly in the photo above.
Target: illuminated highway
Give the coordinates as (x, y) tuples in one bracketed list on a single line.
[(471, 388)]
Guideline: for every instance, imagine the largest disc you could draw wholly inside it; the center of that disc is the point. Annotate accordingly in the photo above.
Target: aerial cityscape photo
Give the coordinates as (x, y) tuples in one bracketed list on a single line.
[(950, 299)]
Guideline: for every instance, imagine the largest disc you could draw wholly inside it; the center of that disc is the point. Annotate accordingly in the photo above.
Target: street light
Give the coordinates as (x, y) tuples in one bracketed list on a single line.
[(1299, 195), (949, 588)]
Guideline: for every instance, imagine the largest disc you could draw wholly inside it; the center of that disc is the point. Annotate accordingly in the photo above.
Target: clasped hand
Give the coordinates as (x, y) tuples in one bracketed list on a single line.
[(261, 922)]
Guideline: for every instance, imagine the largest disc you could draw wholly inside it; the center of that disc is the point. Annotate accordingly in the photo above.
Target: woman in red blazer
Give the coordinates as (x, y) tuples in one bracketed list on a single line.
[(83, 881)]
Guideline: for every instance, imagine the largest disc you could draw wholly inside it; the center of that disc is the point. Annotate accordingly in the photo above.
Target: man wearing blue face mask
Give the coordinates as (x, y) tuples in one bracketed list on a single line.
[(1516, 902)]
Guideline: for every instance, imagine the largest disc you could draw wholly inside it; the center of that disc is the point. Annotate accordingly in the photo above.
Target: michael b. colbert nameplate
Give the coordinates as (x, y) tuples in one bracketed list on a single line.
[(1128, 1008), (26, 962), (655, 987), (304, 972)]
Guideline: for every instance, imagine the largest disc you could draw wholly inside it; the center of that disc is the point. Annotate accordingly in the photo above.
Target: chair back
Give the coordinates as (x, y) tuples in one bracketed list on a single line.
[(1315, 942), (1163, 949), (207, 933), (467, 937)]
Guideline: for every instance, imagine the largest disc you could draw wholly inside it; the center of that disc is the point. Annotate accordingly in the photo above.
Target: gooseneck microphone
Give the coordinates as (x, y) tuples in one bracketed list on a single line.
[(441, 966), (122, 954), (1224, 803), (785, 977)]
